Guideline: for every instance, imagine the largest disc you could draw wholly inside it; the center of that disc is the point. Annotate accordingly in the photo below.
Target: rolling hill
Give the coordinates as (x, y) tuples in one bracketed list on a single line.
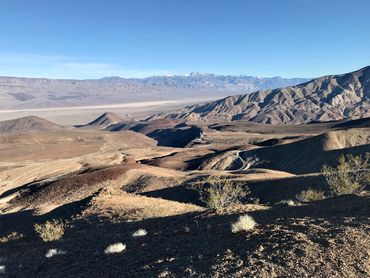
[(103, 121), (25, 124)]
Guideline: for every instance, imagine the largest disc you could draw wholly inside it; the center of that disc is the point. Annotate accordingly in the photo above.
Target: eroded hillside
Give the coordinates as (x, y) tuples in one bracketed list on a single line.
[(120, 188)]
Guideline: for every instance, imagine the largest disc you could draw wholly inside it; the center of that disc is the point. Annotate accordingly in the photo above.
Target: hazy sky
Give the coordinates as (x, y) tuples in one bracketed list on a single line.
[(96, 38)]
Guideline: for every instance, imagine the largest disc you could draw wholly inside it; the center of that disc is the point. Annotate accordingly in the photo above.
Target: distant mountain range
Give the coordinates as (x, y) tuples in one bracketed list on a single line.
[(227, 83), (18, 92), (332, 97)]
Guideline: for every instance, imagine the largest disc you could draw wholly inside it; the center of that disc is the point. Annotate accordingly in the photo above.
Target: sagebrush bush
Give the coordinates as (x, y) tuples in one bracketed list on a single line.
[(218, 192), (244, 223), (310, 195), (50, 230), (351, 175)]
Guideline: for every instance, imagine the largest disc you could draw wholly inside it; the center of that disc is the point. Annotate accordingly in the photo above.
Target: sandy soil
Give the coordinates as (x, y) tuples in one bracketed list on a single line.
[(84, 114)]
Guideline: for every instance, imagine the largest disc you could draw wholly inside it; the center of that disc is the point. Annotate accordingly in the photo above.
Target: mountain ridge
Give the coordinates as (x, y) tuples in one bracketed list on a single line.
[(331, 97)]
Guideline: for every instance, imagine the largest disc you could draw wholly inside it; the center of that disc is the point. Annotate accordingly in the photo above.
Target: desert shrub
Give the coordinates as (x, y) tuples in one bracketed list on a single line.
[(10, 237), (139, 233), (244, 223), (50, 230), (218, 192), (310, 195), (351, 175), (115, 248)]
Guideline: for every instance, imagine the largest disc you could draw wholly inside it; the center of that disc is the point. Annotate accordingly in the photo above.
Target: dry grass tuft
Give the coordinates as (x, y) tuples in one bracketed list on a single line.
[(2, 269), (10, 237), (286, 202), (311, 195), (50, 230), (115, 248), (54, 252), (139, 233), (244, 223)]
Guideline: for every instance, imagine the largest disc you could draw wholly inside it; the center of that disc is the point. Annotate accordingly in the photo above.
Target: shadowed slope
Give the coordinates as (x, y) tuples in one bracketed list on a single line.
[(103, 121), (329, 236), (309, 155)]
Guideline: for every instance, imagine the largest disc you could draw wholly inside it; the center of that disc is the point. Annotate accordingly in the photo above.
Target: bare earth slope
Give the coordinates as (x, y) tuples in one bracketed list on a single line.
[(323, 239), (30, 123), (302, 155), (103, 121), (309, 155), (326, 98), (167, 132)]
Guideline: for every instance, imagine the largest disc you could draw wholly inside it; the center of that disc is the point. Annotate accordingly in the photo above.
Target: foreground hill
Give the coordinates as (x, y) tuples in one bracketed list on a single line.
[(331, 97), (25, 124), (327, 238)]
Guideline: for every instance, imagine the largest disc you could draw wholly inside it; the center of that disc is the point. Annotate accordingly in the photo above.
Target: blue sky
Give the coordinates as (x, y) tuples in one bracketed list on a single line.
[(137, 38)]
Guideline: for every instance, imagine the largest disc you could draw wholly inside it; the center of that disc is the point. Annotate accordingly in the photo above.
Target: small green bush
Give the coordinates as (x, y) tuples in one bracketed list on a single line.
[(351, 175), (311, 195), (50, 230), (218, 192)]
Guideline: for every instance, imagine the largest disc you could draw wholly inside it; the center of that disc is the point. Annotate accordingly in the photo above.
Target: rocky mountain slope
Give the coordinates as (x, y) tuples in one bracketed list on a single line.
[(332, 97), (227, 83), (18, 92)]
